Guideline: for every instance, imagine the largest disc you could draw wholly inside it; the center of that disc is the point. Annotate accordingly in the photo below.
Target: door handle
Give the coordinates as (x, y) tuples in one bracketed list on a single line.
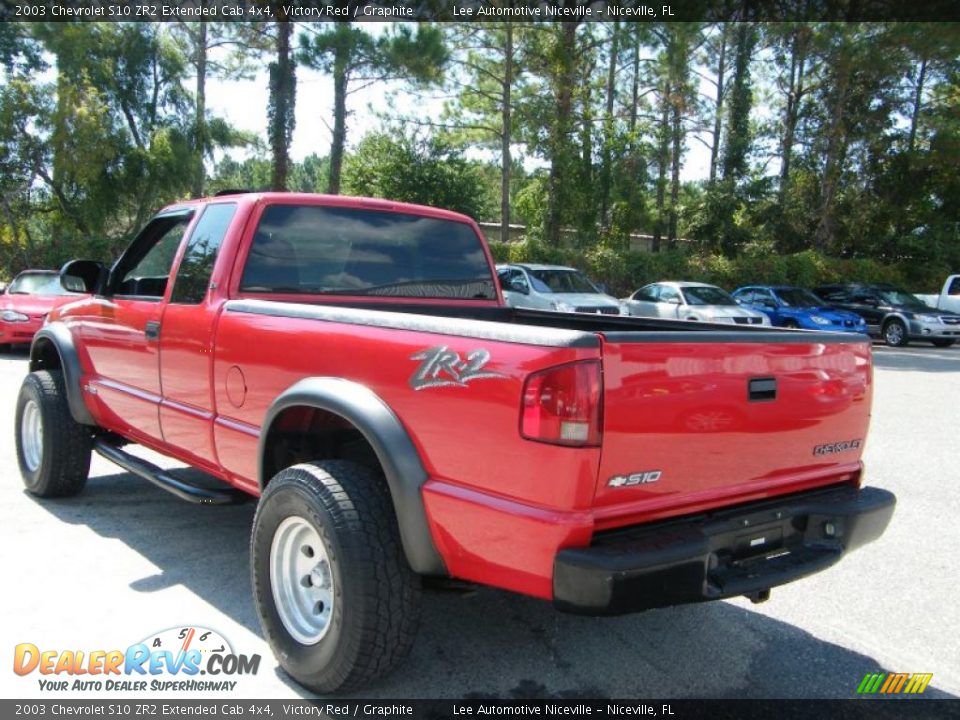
[(762, 389), (152, 330)]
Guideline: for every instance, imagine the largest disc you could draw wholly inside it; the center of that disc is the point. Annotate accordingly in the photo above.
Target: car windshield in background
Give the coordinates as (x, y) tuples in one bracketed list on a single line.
[(563, 281), (350, 251), (799, 298), (37, 284), (900, 298), (707, 296)]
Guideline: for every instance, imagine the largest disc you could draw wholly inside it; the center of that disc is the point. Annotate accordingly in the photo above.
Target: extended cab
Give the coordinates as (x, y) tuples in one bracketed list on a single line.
[(351, 363)]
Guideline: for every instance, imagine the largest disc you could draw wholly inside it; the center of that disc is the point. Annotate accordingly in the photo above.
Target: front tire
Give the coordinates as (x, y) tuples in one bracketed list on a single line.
[(895, 333), (53, 449), (337, 601)]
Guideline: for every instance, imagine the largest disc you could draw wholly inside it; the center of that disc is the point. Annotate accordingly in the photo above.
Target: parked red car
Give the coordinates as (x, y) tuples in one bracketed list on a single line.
[(26, 302)]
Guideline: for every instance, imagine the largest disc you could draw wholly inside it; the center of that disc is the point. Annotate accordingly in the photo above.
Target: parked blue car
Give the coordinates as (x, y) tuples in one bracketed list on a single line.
[(793, 307)]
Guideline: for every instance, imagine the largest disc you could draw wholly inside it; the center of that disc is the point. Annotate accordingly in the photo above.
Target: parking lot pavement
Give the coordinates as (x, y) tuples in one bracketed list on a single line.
[(125, 560)]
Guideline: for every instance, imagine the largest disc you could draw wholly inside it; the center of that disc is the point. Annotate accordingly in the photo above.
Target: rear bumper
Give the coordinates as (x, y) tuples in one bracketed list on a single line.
[(737, 551)]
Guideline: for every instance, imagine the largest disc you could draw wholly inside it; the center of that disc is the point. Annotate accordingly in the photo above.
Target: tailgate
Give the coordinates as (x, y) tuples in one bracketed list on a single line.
[(692, 420)]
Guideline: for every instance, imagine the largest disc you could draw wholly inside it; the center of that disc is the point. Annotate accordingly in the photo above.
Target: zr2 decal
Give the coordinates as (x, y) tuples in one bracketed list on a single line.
[(444, 368)]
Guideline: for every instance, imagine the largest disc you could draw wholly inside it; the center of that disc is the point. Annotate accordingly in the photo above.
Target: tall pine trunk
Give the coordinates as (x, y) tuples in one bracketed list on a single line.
[(606, 170), (340, 59), (281, 106), (718, 112), (505, 160), (200, 120), (560, 156)]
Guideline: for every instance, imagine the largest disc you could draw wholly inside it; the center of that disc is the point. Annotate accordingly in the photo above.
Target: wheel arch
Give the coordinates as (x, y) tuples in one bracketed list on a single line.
[(356, 407), (53, 348)]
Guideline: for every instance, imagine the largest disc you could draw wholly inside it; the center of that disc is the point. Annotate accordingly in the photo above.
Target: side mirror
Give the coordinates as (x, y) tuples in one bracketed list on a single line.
[(672, 301), (87, 276)]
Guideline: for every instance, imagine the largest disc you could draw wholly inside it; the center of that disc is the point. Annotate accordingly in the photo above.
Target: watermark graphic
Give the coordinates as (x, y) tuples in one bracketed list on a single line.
[(894, 683), (169, 660)]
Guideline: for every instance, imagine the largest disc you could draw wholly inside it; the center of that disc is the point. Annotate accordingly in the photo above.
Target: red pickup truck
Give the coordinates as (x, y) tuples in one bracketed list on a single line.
[(351, 362)]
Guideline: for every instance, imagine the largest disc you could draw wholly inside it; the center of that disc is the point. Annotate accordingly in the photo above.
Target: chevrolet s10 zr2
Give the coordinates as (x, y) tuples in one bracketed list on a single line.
[(352, 364)]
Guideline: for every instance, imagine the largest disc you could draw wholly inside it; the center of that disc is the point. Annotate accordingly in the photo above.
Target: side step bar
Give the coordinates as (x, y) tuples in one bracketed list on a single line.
[(162, 479)]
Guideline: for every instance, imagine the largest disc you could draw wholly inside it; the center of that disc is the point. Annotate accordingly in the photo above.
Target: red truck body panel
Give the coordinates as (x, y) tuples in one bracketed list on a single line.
[(499, 506)]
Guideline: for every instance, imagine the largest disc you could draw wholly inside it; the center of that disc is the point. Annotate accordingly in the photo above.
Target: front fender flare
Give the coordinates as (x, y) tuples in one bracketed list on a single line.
[(58, 335), (395, 450)]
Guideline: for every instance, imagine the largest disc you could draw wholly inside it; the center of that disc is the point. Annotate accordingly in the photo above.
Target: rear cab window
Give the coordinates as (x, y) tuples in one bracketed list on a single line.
[(329, 250)]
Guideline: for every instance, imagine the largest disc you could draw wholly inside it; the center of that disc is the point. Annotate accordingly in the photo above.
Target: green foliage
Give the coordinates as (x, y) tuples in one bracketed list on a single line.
[(624, 271), (419, 170)]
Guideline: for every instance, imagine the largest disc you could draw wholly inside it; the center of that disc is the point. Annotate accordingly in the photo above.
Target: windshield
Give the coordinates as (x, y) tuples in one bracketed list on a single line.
[(799, 298), (707, 295), (563, 281), (900, 297), (36, 284)]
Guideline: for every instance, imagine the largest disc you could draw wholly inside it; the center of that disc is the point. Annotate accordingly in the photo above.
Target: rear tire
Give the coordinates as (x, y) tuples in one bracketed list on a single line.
[(53, 449), (791, 324), (895, 333), (943, 343), (337, 601)]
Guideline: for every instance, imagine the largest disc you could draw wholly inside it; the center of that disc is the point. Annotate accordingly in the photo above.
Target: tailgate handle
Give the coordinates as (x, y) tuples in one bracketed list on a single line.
[(762, 389)]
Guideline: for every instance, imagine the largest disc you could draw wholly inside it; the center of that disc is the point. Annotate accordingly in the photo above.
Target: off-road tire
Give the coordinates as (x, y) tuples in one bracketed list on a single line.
[(941, 343), (376, 596), (893, 338), (64, 458)]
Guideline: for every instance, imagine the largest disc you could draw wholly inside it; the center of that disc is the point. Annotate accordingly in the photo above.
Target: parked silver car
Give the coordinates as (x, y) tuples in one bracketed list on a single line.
[(554, 287), (691, 301)]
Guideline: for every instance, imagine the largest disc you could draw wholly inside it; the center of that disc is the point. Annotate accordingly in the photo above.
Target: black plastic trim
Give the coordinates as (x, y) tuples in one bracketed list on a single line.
[(743, 550), (59, 335), (397, 454)]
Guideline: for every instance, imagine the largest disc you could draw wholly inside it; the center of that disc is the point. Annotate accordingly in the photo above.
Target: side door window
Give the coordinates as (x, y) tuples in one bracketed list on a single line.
[(647, 294), (143, 271), (513, 280), (669, 295), (196, 267), (954, 288)]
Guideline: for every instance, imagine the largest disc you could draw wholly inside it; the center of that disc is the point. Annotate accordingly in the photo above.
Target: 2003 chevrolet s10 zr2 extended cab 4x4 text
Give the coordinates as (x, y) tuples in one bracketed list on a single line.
[(351, 362)]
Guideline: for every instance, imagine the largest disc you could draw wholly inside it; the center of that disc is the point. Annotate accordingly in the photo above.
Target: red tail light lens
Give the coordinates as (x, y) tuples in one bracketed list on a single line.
[(562, 405)]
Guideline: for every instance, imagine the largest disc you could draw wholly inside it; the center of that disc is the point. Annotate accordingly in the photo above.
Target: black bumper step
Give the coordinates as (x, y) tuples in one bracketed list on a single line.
[(745, 550)]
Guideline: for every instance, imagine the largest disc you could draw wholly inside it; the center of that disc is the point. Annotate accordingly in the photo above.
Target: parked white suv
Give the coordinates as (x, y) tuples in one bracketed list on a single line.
[(554, 287)]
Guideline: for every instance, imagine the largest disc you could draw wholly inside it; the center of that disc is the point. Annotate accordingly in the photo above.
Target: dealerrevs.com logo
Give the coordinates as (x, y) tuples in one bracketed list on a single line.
[(182, 659)]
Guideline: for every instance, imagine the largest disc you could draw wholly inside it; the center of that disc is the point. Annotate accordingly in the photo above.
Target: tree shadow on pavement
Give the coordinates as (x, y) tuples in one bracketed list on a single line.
[(488, 644)]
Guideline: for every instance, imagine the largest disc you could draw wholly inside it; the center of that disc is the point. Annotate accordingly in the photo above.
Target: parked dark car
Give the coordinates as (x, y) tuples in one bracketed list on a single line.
[(894, 314), (794, 307)]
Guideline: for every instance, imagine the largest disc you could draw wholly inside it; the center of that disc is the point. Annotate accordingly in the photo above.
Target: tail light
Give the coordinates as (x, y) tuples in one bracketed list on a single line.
[(562, 405)]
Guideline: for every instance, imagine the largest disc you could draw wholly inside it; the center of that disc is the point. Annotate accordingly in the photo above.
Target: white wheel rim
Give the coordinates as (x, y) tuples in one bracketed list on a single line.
[(894, 333), (301, 579), (31, 435)]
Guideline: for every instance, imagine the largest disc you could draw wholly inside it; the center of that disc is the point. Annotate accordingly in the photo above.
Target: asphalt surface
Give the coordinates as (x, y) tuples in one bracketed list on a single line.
[(125, 560)]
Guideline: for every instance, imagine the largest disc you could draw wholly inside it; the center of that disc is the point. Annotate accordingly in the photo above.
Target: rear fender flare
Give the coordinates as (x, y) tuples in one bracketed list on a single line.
[(395, 451)]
